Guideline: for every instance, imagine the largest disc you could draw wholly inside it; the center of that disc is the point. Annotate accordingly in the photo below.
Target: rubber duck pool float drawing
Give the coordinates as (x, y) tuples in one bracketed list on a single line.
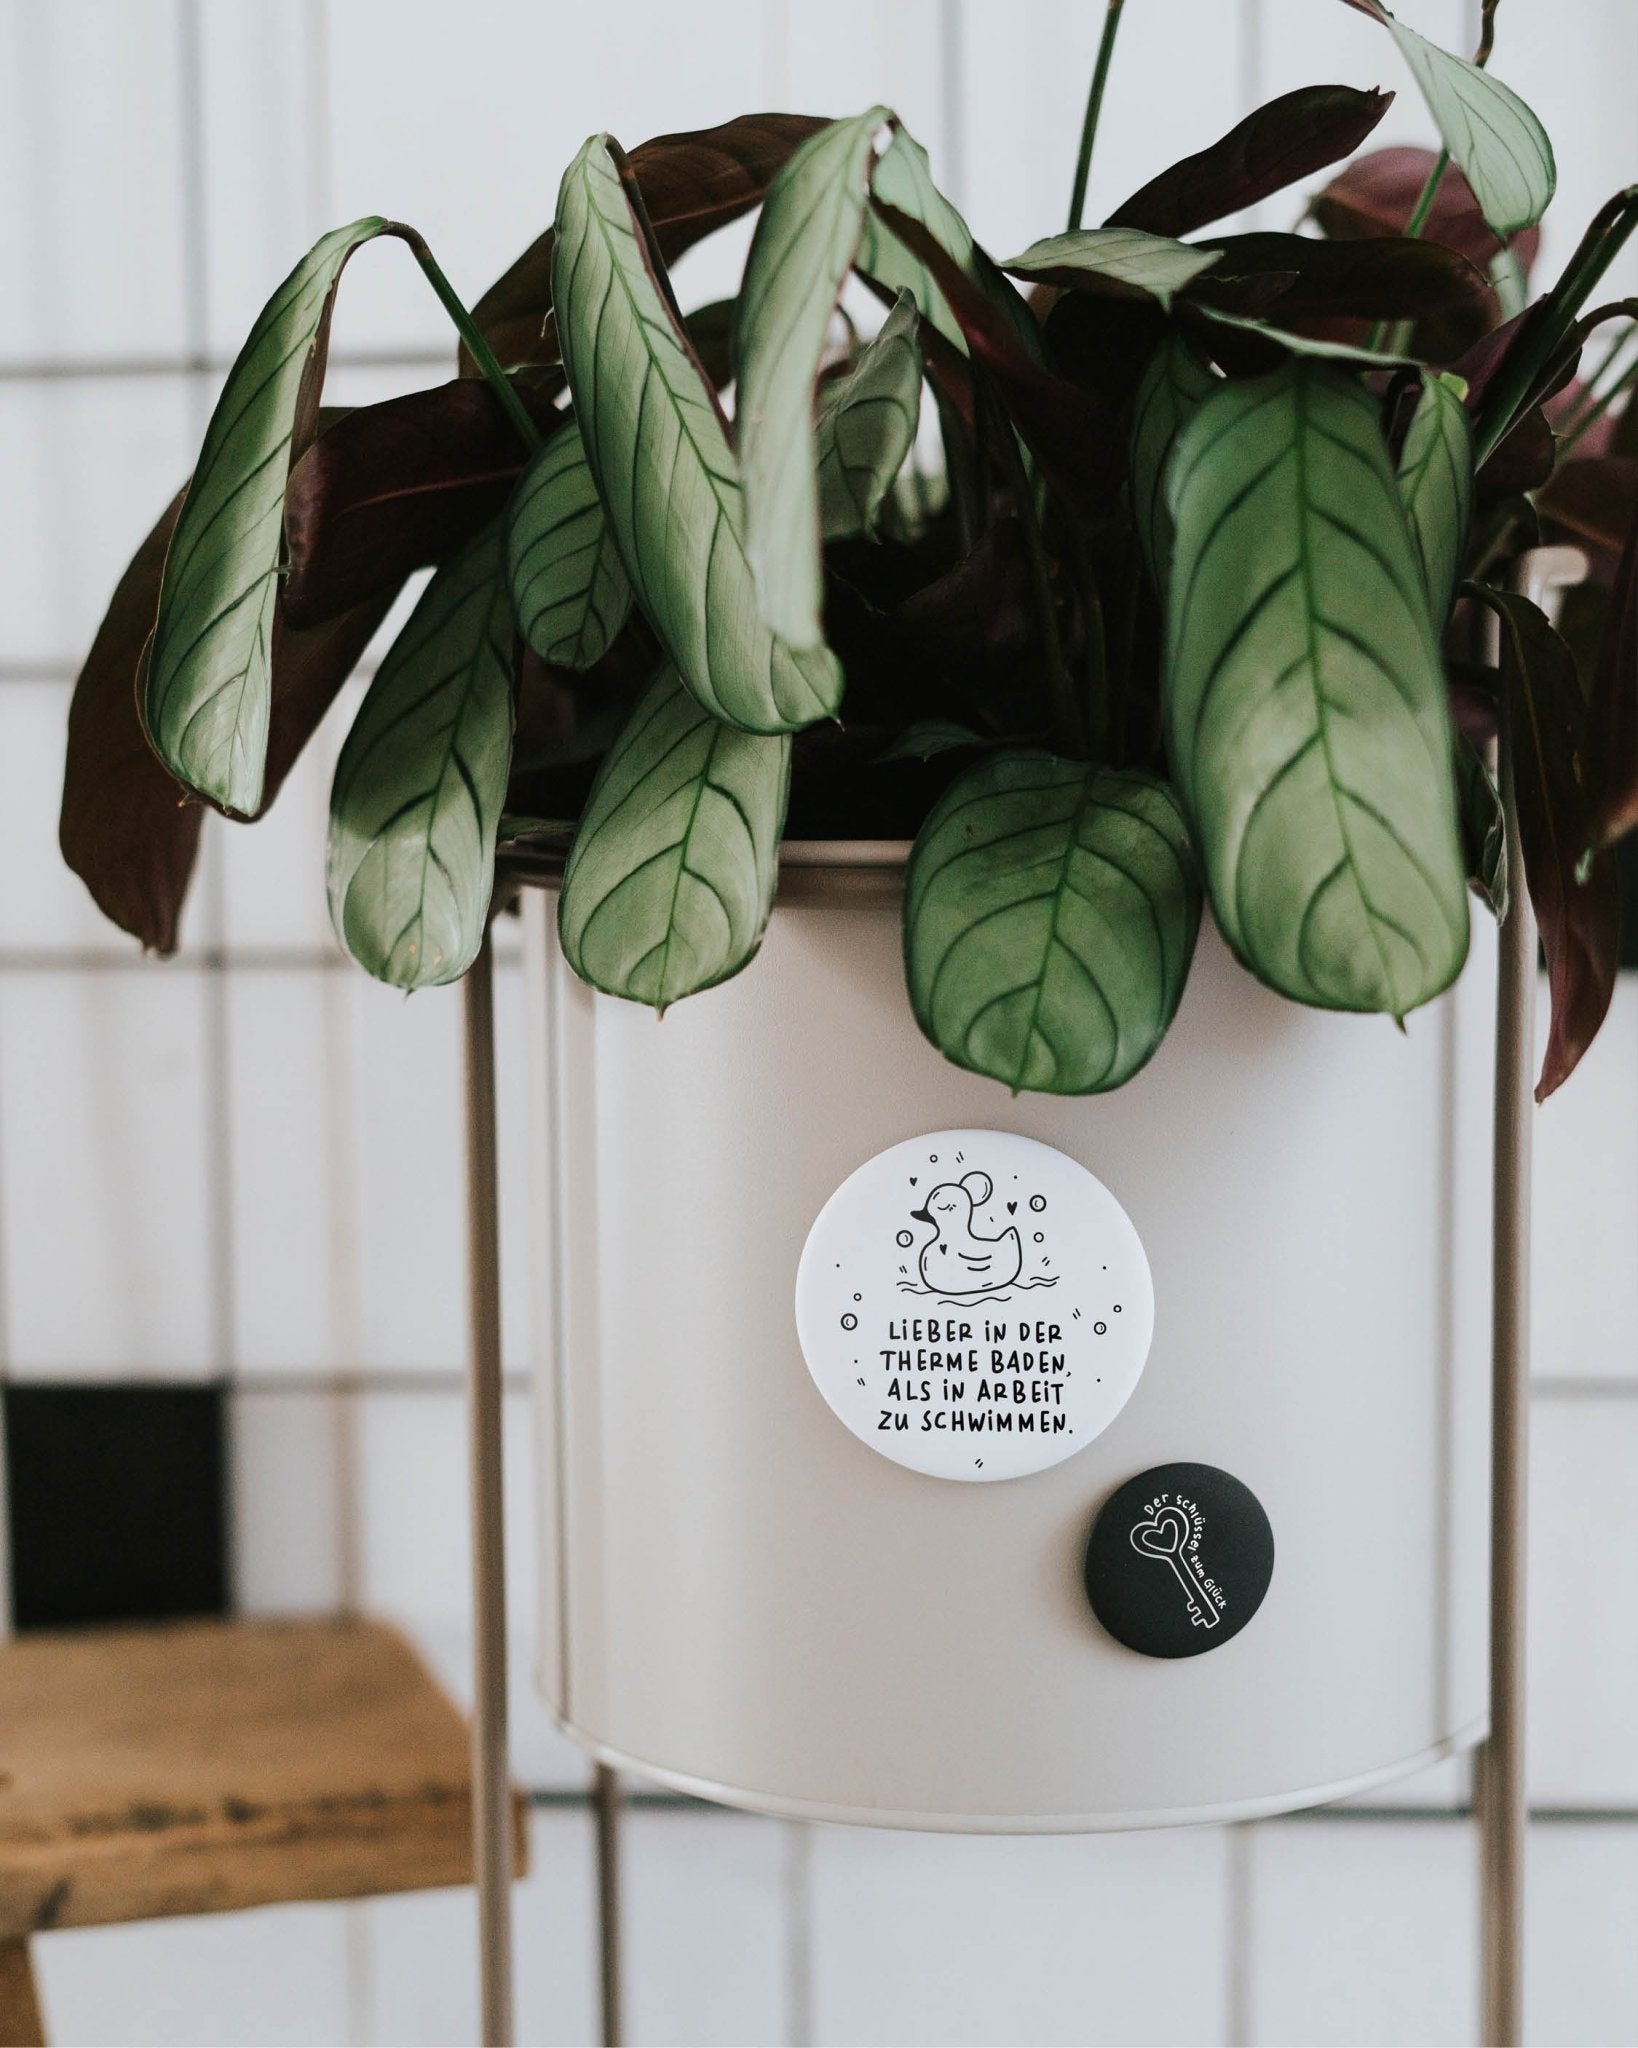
[(957, 1259)]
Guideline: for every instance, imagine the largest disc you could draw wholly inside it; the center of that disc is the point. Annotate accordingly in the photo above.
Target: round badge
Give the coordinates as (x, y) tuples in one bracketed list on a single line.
[(974, 1305), (1179, 1560)]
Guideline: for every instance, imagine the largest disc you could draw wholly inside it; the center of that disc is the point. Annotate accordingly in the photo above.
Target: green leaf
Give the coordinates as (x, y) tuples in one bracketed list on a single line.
[(515, 826), (1306, 344), (1125, 260), (1174, 387), (1050, 913), (1436, 486), (867, 424), (659, 452), (1068, 430), (208, 691), (904, 181), (1493, 137), (569, 589), (904, 178), (1305, 699), (421, 780), (804, 247), (673, 872), (1483, 827), (929, 737)]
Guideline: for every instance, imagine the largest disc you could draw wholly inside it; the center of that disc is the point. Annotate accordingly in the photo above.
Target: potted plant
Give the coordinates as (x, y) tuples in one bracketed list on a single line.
[(1198, 586)]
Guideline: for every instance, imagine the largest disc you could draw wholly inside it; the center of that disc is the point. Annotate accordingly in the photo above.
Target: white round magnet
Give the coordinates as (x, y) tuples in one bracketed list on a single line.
[(974, 1305)]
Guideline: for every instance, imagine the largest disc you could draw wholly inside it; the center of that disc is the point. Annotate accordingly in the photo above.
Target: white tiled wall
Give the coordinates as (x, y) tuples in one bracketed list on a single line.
[(163, 161)]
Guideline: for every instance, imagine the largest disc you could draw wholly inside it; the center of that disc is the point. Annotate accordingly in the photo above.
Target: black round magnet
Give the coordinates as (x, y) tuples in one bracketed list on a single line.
[(1179, 1560)]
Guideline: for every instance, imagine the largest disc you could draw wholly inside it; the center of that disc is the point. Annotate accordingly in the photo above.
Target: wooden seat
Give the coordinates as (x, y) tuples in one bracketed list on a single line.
[(201, 1766)]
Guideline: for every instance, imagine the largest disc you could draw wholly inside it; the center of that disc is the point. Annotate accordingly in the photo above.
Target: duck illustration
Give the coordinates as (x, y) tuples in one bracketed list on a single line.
[(956, 1259)]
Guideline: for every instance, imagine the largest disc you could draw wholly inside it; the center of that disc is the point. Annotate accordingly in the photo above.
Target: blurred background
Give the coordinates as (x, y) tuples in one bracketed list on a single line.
[(231, 1224)]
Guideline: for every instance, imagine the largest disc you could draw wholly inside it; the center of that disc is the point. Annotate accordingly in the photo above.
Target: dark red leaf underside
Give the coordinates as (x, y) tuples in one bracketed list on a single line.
[(1377, 195), (1286, 140), (1613, 714), (1523, 459), (391, 488), (1592, 502), (128, 828), (1334, 289), (1578, 909)]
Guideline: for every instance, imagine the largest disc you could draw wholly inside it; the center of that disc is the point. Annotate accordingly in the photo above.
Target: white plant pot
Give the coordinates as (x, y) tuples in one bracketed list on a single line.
[(743, 1600)]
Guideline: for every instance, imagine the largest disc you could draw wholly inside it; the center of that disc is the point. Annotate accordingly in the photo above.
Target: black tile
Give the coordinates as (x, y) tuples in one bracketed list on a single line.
[(117, 1503)]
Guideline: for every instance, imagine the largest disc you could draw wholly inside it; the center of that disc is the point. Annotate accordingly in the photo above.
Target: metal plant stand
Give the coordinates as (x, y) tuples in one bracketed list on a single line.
[(491, 1776), (1500, 1787), (491, 1779), (1502, 1808), (609, 1806), (1502, 1795)]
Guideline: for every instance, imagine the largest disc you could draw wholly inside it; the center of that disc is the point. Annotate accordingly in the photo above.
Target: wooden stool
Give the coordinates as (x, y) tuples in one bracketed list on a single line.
[(203, 1766)]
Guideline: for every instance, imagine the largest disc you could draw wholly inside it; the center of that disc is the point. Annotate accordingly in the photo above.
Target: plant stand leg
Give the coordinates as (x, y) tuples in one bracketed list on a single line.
[(20, 2023), (608, 1806), (1502, 1800), (1502, 1794), (1503, 1814), (491, 1780)]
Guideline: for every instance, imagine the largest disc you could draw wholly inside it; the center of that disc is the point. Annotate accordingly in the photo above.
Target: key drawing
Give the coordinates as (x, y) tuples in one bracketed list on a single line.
[(1164, 1538)]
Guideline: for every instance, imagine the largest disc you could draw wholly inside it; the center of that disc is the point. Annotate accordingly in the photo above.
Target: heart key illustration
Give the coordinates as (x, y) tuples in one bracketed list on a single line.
[(1178, 1560), (1165, 1538)]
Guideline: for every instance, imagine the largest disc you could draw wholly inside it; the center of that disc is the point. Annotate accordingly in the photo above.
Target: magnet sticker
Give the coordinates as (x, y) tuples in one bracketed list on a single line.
[(974, 1305), (1179, 1560)]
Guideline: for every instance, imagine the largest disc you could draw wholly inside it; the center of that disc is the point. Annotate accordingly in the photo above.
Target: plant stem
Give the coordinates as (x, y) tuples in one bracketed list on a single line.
[(1094, 106), (479, 350), (1487, 33), (1395, 335), (1545, 330), (1425, 198)]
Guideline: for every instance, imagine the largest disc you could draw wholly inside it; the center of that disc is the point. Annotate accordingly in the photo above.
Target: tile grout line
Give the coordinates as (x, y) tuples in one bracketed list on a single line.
[(207, 362), (297, 1384), (288, 959), (218, 1160), (345, 1400), (444, 1379), (571, 1799)]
